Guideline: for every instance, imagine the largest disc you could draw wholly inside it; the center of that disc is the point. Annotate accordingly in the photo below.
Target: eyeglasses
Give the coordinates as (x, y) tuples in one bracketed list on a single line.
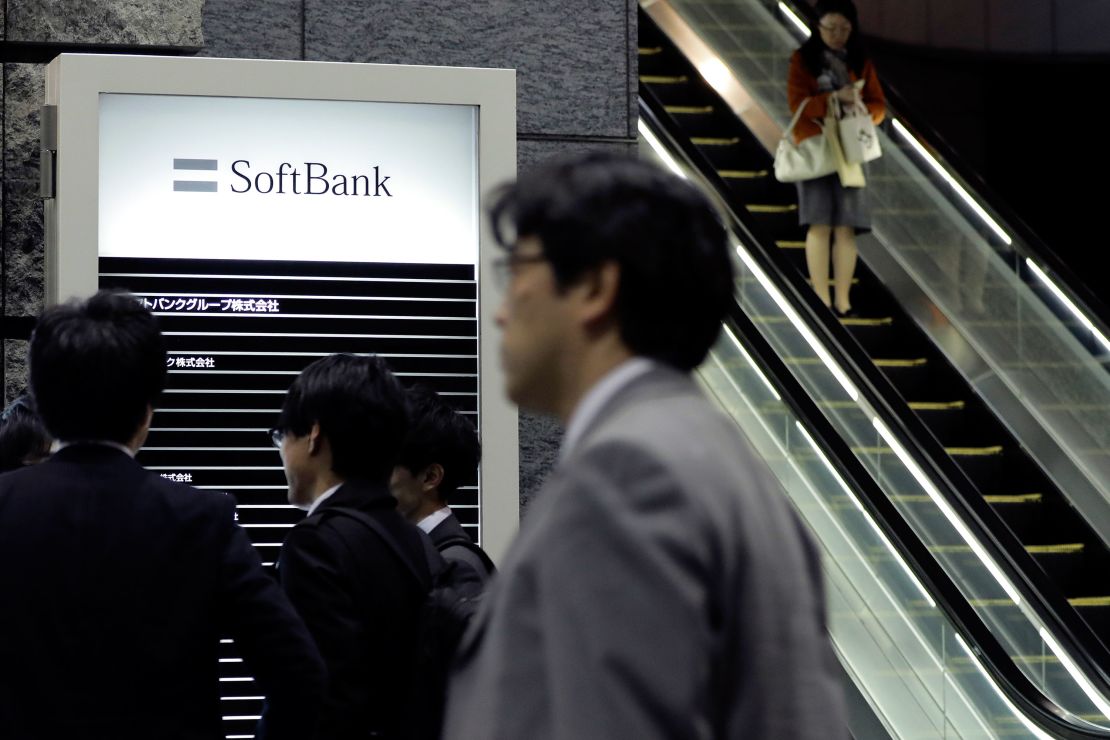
[(838, 28), (505, 267), (277, 436)]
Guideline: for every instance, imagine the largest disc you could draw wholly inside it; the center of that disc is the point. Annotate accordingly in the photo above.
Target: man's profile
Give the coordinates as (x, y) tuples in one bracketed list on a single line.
[(440, 454), (661, 585)]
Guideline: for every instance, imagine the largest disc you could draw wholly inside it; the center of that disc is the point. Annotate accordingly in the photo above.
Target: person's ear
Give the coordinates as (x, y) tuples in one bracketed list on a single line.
[(598, 289), (431, 477), (315, 439), (139, 438)]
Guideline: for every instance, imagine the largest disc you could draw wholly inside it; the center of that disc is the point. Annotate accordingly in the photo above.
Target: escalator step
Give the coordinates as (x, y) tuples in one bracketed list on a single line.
[(1064, 566), (988, 451), (1018, 498), (1070, 548), (1096, 614), (1024, 513), (746, 278), (745, 175), (867, 321), (772, 207), (689, 110), (664, 79), (714, 140), (937, 405), (962, 452), (909, 362)]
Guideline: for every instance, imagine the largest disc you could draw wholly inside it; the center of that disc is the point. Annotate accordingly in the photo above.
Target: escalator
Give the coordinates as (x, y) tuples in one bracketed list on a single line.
[(1022, 564), (1025, 511), (918, 661)]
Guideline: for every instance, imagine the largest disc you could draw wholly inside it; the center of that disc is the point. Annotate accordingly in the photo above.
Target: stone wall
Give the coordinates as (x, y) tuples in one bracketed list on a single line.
[(576, 82)]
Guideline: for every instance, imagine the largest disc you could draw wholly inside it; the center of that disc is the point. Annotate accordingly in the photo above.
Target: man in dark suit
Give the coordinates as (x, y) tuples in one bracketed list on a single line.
[(441, 452), (340, 429), (661, 586), (116, 585)]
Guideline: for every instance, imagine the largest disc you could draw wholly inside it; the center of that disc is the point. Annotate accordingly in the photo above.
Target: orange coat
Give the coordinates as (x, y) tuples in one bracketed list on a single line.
[(801, 84)]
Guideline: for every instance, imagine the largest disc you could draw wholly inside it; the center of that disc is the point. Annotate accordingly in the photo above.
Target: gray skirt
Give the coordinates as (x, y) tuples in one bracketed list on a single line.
[(825, 202)]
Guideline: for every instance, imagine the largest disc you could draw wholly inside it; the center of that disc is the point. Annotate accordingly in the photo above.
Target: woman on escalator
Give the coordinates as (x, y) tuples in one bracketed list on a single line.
[(832, 63)]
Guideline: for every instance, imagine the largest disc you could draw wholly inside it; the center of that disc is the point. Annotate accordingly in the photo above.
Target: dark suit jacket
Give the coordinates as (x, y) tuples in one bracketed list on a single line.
[(661, 588), (359, 604), (445, 537), (116, 586)]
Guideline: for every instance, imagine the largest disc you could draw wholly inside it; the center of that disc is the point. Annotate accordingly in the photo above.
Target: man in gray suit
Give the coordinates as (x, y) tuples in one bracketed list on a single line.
[(662, 586)]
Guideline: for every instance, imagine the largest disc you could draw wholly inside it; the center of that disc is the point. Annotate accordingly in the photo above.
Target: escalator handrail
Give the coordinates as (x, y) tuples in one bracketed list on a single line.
[(1029, 243), (958, 490), (1016, 686)]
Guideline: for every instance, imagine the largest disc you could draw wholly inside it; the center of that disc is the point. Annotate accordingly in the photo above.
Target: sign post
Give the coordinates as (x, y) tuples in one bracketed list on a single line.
[(274, 212)]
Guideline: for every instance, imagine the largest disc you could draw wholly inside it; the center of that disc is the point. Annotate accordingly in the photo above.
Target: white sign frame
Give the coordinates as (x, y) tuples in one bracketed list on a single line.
[(74, 83)]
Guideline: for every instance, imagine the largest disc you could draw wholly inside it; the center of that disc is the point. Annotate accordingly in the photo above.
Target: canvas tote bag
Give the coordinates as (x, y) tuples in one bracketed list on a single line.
[(851, 173), (858, 137)]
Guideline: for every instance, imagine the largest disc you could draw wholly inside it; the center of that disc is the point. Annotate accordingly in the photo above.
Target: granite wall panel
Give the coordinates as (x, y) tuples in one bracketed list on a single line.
[(254, 29), (15, 369), (572, 57), (148, 23), (24, 94)]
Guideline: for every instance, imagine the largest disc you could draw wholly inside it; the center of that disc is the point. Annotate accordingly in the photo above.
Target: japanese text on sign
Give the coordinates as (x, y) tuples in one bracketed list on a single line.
[(215, 305), (185, 362)]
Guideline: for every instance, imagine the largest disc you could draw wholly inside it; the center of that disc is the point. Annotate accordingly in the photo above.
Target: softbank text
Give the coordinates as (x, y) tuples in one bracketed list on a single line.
[(313, 181)]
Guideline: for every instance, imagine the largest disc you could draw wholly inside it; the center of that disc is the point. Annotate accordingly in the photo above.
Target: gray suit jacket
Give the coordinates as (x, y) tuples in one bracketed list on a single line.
[(662, 587)]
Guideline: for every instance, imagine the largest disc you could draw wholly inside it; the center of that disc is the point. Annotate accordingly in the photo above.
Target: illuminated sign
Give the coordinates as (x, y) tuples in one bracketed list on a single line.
[(318, 180)]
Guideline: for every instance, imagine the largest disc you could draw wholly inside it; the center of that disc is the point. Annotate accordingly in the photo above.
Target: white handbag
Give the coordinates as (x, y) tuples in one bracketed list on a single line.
[(810, 159), (858, 138)]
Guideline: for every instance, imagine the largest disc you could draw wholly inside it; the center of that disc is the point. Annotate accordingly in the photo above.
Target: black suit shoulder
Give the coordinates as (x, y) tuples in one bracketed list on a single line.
[(360, 605), (158, 572)]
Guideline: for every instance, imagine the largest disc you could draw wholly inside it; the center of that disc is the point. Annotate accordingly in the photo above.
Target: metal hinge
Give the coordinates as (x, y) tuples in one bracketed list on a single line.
[(48, 151)]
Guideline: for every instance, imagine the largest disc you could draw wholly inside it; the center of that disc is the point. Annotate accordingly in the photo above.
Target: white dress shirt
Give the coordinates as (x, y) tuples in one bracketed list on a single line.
[(434, 519), (321, 499)]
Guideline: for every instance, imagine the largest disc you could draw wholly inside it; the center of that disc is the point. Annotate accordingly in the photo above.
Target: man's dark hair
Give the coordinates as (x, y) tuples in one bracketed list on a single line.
[(96, 366), (440, 434), (670, 245), (23, 438), (813, 50), (360, 407)]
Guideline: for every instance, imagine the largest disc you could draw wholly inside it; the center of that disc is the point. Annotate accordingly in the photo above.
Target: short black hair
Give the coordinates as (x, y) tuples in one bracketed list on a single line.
[(360, 407), (440, 434), (23, 438), (668, 240), (96, 365)]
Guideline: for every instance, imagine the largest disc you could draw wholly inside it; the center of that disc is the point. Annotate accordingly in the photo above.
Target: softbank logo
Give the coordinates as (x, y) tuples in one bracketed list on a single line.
[(194, 186), (285, 179)]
